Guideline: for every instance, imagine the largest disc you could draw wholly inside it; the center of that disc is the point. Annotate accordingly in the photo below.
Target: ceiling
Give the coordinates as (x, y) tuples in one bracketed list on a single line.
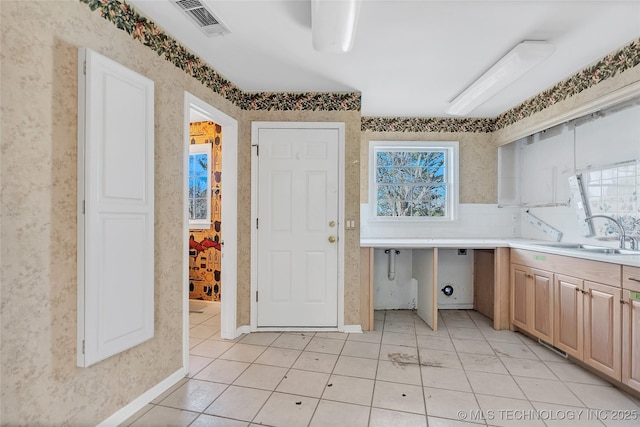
[(409, 58)]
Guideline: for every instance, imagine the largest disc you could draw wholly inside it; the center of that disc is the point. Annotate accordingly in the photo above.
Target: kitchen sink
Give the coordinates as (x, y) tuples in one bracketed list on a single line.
[(590, 248)]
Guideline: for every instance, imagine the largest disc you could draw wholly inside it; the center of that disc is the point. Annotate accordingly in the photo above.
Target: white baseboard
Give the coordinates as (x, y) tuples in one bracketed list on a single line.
[(348, 329), (245, 329), (145, 398), (352, 329), (462, 306)]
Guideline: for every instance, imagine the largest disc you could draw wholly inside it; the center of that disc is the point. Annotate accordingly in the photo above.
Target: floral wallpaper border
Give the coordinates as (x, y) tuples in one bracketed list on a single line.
[(426, 124), (612, 64), (309, 101), (148, 33)]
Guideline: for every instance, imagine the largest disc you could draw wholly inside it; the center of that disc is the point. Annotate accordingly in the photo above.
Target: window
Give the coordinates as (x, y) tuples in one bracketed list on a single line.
[(199, 186), (613, 191), (414, 180)]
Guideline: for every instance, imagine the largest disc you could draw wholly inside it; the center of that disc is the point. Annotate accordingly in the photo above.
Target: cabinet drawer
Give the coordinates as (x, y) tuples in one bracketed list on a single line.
[(595, 271), (631, 278)]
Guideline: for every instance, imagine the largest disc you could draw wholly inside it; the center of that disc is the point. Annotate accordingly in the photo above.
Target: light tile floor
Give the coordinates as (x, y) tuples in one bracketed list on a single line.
[(401, 374)]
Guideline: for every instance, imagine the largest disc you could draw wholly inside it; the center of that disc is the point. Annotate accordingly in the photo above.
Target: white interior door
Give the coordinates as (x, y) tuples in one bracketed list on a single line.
[(297, 227), (115, 208)]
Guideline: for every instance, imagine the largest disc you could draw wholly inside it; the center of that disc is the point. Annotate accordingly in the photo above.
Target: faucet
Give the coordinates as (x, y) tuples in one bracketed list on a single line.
[(621, 232)]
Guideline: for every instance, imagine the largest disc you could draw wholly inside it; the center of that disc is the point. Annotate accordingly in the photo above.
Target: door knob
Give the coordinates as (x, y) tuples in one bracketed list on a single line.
[(332, 239), (332, 223)]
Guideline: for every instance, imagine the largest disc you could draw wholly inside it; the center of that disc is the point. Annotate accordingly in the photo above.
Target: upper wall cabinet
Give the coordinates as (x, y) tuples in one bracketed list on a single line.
[(534, 171), (530, 175), (618, 131), (545, 177)]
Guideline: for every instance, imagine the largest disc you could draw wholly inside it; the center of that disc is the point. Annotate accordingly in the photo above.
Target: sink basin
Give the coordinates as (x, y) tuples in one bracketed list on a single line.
[(590, 248)]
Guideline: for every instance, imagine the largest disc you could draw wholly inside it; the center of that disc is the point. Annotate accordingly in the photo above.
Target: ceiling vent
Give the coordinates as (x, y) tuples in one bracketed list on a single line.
[(202, 16)]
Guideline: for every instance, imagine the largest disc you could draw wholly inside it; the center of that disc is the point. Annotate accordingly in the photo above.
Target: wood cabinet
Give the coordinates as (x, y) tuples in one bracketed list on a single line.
[(484, 282), (631, 327), (519, 301), (532, 301), (568, 325), (581, 316), (602, 328), (542, 304), (588, 323)]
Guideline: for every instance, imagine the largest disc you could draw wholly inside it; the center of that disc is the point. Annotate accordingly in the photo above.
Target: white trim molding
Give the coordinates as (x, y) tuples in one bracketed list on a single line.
[(229, 180), (352, 329), (134, 406)]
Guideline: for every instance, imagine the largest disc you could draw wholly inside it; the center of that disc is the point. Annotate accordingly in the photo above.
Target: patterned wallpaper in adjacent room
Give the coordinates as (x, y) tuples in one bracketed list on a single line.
[(205, 257)]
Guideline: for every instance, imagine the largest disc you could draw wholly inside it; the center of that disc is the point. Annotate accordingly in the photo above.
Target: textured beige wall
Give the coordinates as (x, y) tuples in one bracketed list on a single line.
[(40, 381), (352, 206), (41, 384), (478, 162)]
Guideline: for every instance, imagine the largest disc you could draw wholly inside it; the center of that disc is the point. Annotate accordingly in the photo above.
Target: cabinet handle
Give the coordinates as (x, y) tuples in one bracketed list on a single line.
[(624, 302), (634, 279), (579, 290)]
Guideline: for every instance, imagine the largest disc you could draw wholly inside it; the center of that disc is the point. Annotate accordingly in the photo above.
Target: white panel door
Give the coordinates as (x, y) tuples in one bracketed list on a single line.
[(297, 228), (115, 208)]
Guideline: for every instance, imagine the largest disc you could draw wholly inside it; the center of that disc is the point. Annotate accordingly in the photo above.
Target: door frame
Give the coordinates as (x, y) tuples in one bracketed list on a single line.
[(229, 183), (255, 127)]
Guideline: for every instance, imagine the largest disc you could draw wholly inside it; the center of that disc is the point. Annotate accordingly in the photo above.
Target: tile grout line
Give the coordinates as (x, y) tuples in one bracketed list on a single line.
[(513, 377), (325, 385), (530, 345), (228, 386), (280, 382), (475, 396), (375, 375), (544, 362), (422, 386)]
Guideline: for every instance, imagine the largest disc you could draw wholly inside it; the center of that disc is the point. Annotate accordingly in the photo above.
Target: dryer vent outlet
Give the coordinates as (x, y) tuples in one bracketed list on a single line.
[(447, 290)]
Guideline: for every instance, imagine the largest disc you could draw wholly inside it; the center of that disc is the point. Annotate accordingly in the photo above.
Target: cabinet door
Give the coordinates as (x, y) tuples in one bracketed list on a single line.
[(602, 315), (568, 316), (630, 340), (519, 307), (542, 301)]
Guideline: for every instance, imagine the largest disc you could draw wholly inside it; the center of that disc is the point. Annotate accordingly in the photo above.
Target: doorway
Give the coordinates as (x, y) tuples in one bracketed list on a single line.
[(298, 211), (228, 215), (205, 209)]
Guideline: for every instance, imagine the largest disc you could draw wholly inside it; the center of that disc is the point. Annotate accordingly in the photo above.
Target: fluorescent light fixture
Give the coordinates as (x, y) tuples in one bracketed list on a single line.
[(512, 66), (333, 24)]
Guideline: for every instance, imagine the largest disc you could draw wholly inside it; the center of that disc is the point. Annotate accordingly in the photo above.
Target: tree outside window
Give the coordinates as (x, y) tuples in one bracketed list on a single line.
[(199, 186), (414, 181)]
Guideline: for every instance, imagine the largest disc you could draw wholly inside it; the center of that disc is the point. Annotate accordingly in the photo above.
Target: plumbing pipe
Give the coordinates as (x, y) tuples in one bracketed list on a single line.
[(392, 263)]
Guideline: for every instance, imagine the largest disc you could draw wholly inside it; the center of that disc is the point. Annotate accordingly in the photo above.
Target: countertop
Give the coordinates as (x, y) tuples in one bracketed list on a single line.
[(491, 243)]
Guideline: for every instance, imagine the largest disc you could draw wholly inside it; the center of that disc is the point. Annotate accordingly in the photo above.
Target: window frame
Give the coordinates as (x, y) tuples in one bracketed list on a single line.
[(451, 150), (602, 186), (198, 149)]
